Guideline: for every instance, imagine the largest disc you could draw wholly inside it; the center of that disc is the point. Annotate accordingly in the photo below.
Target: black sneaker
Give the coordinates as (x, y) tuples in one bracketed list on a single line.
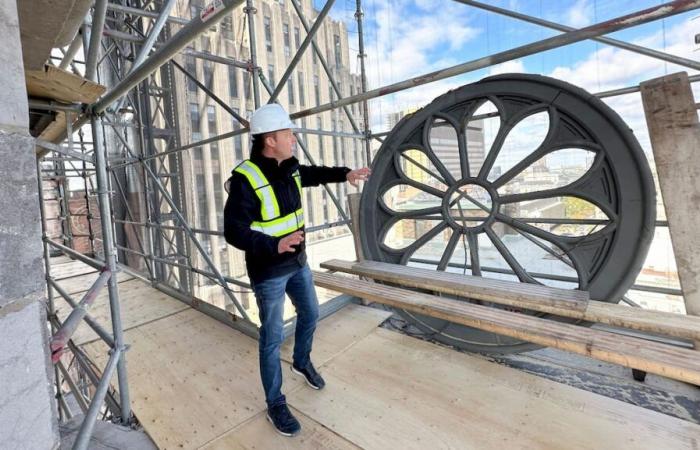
[(282, 419), (312, 377)]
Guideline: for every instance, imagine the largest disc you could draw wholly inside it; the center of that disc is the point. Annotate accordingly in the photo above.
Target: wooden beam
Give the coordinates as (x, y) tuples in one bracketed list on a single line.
[(61, 85), (561, 302), (664, 360), (674, 131)]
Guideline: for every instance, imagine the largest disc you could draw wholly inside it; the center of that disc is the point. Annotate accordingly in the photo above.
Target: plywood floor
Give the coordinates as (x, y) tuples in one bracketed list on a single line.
[(194, 384)]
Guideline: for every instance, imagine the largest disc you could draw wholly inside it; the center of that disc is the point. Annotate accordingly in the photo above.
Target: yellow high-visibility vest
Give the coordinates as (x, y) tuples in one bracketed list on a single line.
[(272, 223)]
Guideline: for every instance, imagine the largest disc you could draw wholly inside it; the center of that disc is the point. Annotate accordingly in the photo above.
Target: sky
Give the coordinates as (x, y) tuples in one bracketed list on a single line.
[(407, 38)]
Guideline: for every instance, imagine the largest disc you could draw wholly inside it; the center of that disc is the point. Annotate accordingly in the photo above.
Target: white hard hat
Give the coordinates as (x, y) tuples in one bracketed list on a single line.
[(270, 117)]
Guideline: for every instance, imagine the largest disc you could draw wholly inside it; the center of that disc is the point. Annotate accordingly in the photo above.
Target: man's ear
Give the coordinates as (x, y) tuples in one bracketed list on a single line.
[(270, 140)]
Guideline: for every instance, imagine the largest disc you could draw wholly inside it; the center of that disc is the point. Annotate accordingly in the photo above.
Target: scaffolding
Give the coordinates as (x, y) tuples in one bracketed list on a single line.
[(129, 157)]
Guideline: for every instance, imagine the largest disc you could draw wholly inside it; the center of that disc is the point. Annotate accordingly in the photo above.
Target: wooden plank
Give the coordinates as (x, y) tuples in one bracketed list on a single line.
[(57, 84), (671, 362), (54, 132), (394, 391), (507, 292), (139, 304), (76, 284), (257, 434), (192, 378), (338, 332), (70, 269), (561, 302), (674, 131)]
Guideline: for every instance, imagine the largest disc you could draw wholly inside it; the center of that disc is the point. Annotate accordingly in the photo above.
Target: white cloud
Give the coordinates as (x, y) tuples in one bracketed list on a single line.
[(515, 66), (579, 15), (405, 45), (611, 68)]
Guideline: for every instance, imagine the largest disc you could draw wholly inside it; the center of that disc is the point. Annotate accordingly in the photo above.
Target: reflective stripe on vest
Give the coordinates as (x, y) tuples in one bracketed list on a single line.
[(269, 208), (279, 227), (272, 224)]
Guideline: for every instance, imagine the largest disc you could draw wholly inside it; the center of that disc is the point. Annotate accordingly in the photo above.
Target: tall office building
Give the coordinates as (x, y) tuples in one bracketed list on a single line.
[(279, 34), (443, 142)]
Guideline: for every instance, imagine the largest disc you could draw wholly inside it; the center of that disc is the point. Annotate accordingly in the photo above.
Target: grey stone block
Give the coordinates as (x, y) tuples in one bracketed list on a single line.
[(14, 113), (21, 265), (27, 416)]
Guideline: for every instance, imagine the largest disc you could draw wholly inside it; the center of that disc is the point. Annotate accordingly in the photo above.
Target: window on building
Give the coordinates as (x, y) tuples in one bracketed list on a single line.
[(206, 44), (297, 38), (309, 214), (191, 67), (352, 92), (301, 154), (301, 83), (209, 75), (194, 11), (314, 57), (336, 148), (268, 34), (331, 93), (219, 200), (211, 119), (343, 156), (271, 75), (211, 122), (195, 122), (290, 90), (225, 266), (238, 139), (317, 90), (227, 27), (232, 81), (338, 54), (319, 126), (247, 82), (200, 188), (287, 46)]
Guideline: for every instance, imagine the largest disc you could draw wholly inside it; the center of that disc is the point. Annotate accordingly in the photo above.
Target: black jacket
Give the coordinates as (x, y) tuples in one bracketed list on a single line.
[(243, 207)]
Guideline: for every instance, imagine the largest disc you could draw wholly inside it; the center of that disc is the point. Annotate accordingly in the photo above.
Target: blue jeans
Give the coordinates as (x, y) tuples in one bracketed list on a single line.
[(269, 295)]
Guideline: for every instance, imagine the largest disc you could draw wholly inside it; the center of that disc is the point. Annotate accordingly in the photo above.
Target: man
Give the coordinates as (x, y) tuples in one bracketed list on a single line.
[(263, 216)]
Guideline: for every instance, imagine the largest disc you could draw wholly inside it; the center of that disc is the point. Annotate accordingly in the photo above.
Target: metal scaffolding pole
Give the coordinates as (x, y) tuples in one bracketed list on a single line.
[(142, 13), (83, 438), (63, 199), (302, 48), (98, 24), (72, 50), (324, 64), (150, 40), (216, 58), (179, 41), (363, 79), (66, 151), (633, 89), (614, 42), (212, 95), (254, 69), (595, 30), (47, 269), (194, 239), (86, 194), (111, 263)]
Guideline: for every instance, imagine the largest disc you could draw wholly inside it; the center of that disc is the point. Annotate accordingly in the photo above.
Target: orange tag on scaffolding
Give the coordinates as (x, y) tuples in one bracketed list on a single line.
[(211, 9)]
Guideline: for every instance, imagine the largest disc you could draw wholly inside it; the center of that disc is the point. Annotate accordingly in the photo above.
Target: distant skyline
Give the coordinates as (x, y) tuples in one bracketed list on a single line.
[(406, 38)]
